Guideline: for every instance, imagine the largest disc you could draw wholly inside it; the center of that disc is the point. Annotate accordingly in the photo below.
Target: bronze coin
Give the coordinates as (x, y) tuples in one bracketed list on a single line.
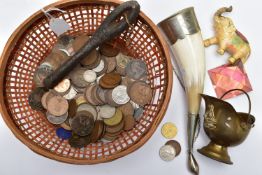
[(108, 50), (116, 128), (176, 145), (95, 63), (127, 109), (43, 99), (110, 80), (110, 138), (114, 134), (77, 78), (57, 105), (110, 62), (72, 108), (97, 131), (83, 123), (77, 141), (35, 97), (140, 93), (129, 122)]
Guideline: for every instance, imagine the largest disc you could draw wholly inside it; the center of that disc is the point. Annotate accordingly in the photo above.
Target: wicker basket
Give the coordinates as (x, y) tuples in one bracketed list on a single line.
[(33, 41)]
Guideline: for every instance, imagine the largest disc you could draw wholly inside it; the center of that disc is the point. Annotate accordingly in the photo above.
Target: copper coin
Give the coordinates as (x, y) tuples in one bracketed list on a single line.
[(110, 138), (110, 80), (110, 100), (77, 141), (97, 131), (83, 123), (95, 63), (108, 50), (57, 105), (91, 60), (77, 77), (110, 62), (140, 93), (35, 97), (72, 108), (115, 129), (43, 100), (127, 109), (63, 87), (114, 134), (129, 122), (176, 145)]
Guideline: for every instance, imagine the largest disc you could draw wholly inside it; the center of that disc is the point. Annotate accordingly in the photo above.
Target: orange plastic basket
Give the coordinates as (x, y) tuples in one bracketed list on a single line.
[(32, 42)]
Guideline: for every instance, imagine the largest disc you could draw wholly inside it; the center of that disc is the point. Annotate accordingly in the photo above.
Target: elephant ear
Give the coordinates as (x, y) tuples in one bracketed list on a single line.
[(242, 36)]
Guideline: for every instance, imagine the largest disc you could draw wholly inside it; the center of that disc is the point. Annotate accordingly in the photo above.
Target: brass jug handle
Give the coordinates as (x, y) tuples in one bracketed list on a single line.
[(249, 101)]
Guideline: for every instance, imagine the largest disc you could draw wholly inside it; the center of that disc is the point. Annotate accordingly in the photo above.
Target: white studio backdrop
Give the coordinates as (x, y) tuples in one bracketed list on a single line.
[(16, 158)]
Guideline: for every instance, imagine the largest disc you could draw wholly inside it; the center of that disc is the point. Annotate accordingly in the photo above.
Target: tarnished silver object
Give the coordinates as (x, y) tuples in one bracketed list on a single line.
[(182, 32), (180, 24)]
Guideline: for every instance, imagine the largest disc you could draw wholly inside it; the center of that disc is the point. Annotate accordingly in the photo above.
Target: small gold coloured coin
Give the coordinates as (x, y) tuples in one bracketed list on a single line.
[(169, 130)]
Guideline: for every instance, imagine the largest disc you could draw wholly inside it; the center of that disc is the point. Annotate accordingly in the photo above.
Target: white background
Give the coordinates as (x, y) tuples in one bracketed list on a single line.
[(15, 158)]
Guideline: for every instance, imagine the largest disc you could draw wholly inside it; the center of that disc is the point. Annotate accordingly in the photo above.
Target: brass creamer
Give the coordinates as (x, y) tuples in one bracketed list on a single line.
[(225, 127)]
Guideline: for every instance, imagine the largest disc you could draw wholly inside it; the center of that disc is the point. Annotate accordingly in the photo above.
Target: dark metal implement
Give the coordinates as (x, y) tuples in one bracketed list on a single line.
[(109, 29)]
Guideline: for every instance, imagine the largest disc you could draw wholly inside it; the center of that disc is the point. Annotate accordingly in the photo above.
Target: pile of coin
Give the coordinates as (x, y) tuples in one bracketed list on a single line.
[(102, 97)]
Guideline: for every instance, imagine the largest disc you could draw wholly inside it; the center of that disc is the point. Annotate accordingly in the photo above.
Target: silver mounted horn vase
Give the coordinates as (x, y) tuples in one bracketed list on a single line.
[(183, 34)]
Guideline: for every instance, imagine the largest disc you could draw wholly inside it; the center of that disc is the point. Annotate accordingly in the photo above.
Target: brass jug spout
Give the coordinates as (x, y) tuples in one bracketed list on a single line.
[(224, 126)]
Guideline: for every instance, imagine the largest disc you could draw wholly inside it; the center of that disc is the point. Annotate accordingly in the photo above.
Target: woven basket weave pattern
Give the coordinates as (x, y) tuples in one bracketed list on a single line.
[(37, 42)]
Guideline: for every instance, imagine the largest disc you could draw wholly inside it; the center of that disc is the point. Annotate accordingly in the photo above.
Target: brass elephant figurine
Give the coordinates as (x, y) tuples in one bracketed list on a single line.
[(228, 38)]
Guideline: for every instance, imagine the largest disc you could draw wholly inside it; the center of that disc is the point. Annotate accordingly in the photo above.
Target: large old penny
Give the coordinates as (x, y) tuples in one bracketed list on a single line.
[(72, 108), (57, 105), (176, 145), (119, 95), (129, 122), (140, 93), (43, 99), (127, 109), (108, 50), (63, 87), (106, 111), (90, 96), (56, 120), (77, 77), (169, 130), (167, 153), (89, 76), (116, 119), (111, 63), (97, 131), (136, 69), (83, 123), (77, 141), (110, 80), (89, 108)]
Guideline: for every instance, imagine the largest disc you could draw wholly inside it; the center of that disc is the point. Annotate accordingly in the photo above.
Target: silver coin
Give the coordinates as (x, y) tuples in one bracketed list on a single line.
[(100, 67), (136, 69), (138, 113), (56, 120), (89, 108), (106, 111), (167, 153), (119, 95), (89, 76), (71, 94)]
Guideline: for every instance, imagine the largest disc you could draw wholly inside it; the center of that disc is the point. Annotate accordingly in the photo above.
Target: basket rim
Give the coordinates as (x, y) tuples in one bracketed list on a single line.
[(46, 153)]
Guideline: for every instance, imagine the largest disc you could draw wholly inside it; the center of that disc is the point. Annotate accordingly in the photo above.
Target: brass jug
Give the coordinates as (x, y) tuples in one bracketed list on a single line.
[(224, 126)]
